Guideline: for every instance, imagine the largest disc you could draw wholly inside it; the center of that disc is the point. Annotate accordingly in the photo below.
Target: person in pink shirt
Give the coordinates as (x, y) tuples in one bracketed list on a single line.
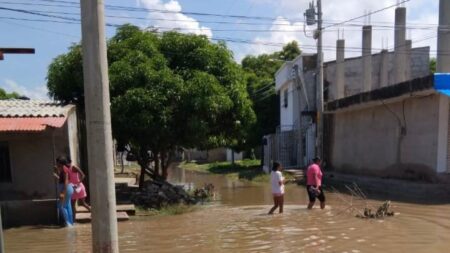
[(76, 177), (314, 184)]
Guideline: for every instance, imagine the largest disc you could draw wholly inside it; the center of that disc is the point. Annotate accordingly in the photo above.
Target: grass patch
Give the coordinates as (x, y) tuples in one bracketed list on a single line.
[(244, 170), (131, 169), (175, 209)]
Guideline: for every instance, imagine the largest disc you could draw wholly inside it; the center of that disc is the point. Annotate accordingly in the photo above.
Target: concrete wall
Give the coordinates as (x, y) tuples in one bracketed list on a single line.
[(367, 141), (32, 156), (212, 155), (353, 71), (17, 213)]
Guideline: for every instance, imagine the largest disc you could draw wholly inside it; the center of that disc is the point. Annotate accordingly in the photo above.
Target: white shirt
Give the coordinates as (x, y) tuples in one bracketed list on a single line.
[(275, 178)]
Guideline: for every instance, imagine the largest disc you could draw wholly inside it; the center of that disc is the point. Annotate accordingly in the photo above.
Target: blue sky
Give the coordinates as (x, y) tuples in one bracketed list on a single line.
[(26, 73)]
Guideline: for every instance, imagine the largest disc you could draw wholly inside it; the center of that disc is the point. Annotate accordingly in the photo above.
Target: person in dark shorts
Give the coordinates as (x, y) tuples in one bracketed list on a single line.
[(314, 183)]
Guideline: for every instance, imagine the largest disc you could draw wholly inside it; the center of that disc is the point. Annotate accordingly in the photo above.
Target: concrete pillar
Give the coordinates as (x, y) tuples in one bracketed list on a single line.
[(384, 68), (408, 63), (367, 58), (98, 126), (443, 66), (340, 69), (399, 45)]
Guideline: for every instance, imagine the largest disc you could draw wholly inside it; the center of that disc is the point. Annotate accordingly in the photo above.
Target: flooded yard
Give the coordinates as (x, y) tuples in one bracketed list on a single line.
[(238, 223)]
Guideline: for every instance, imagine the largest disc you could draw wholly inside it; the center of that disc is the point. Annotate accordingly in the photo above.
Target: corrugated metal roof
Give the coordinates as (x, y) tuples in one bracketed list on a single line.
[(32, 108), (27, 124)]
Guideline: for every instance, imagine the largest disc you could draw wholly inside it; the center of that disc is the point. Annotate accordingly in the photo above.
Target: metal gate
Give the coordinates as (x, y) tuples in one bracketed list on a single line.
[(292, 148)]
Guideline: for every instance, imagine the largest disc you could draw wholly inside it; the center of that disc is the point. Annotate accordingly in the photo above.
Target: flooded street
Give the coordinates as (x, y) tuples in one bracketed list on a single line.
[(238, 223)]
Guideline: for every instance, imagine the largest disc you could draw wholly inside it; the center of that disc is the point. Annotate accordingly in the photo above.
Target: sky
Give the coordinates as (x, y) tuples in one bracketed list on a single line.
[(249, 27)]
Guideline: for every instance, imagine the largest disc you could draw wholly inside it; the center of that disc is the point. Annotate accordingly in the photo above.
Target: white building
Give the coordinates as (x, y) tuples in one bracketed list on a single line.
[(293, 143)]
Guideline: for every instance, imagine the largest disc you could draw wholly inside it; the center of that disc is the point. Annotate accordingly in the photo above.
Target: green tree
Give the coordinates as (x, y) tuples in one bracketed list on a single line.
[(6, 95), (260, 78), (433, 65), (167, 91)]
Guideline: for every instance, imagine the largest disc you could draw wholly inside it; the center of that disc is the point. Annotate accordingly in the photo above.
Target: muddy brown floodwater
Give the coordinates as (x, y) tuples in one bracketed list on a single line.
[(238, 223)]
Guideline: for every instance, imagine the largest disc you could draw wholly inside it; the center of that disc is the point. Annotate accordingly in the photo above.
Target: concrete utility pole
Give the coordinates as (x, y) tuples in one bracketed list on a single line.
[(319, 133), (443, 66), (98, 125), (443, 43), (2, 242)]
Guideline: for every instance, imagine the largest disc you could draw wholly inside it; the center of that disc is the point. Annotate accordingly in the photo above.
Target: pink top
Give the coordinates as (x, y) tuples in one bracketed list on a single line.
[(314, 175), (74, 177)]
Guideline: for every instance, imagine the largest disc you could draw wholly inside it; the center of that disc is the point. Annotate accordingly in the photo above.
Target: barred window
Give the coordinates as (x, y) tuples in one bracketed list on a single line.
[(286, 93)]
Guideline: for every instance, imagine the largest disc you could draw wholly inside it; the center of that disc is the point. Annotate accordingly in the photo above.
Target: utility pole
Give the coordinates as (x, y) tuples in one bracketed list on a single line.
[(2, 242), (98, 126), (310, 15), (319, 133)]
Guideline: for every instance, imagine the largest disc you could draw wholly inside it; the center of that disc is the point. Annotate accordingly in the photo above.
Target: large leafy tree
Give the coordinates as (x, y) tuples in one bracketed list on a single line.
[(167, 90), (260, 78)]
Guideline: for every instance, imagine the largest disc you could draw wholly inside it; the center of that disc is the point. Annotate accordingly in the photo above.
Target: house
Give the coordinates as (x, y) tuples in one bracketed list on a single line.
[(293, 143), (383, 114), (32, 134)]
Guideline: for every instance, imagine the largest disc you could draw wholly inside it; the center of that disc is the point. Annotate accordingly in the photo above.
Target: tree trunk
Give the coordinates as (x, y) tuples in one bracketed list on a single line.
[(121, 162), (232, 156), (156, 160), (164, 164), (142, 176)]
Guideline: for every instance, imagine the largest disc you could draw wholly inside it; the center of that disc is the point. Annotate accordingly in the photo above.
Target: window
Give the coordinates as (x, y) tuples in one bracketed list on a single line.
[(285, 99), (5, 165)]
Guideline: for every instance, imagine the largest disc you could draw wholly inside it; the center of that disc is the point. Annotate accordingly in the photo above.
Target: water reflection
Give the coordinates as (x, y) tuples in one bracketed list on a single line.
[(238, 223)]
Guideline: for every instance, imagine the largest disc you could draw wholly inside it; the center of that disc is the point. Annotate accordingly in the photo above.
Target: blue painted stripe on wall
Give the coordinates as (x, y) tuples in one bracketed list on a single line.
[(442, 83)]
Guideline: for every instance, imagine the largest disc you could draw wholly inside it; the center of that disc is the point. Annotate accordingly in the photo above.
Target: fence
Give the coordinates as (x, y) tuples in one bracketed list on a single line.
[(293, 148)]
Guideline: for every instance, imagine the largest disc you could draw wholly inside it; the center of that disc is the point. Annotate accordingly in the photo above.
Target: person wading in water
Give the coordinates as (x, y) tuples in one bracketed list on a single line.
[(314, 184), (277, 182)]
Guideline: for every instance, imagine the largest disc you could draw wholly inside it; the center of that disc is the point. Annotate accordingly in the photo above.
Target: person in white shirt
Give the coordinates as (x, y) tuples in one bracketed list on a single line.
[(277, 182)]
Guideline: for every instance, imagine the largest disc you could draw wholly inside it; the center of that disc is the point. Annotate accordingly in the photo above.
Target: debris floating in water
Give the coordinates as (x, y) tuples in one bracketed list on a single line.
[(382, 211), (358, 204)]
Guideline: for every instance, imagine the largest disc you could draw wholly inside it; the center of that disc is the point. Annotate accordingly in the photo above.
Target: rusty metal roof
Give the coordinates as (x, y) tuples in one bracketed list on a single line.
[(31, 115), (28, 124), (32, 108)]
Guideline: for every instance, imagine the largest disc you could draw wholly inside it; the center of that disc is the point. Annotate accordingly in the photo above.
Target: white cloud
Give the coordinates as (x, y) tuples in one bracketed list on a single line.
[(172, 20), (418, 12), (39, 92), (282, 32)]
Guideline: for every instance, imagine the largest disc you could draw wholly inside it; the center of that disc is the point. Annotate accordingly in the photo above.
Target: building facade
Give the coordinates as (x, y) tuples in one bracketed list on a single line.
[(32, 135)]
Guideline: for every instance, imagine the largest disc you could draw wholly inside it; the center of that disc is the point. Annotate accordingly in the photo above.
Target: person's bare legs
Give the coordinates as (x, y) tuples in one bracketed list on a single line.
[(275, 205), (83, 203), (322, 205), (281, 203), (311, 204)]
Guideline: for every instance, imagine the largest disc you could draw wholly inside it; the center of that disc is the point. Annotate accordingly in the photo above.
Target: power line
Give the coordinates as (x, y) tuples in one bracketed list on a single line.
[(365, 15), (334, 23)]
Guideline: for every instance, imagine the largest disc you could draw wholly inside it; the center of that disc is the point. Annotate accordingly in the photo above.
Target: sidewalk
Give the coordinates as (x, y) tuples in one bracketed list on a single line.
[(391, 189)]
